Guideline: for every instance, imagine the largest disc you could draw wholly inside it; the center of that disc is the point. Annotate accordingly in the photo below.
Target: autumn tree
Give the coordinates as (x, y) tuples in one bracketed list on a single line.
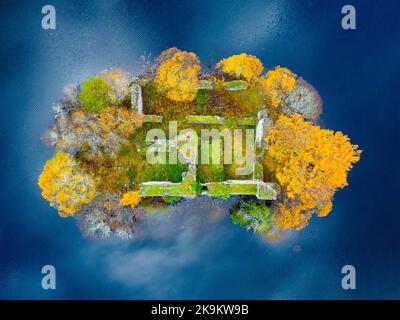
[(241, 66), (304, 99), (252, 216), (178, 74), (95, 134), (120, 121), (277, 84), (104, 217), (310, 164), (167, 55), (66, 185), (118, 84), (95, 94)]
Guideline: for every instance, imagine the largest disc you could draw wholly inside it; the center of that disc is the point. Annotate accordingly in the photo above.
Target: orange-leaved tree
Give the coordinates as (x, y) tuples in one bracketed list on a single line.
[(241, 65), (310, 164), (66, 185), (130, 198), (277, 84), (178, 74)]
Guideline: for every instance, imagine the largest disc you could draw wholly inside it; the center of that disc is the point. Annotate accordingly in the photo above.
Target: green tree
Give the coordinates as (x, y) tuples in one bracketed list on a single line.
[(219, 190), (95, 94), (163, 172), (210, 173)]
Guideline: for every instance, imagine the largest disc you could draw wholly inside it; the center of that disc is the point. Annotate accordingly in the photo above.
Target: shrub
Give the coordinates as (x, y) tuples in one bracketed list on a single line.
[(310, 164), (103, 217), (190, 186), (201, 99), (95, 94), (130, 198), (66, 185)]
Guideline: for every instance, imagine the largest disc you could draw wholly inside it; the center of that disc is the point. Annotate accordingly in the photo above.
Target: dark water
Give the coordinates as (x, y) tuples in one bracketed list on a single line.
[(195, 251)]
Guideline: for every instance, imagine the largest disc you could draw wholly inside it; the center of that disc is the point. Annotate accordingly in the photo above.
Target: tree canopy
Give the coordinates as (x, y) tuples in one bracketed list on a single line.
[(277, 83), (310, 164), (65, 184), (95, 135), (241, 66), (95, 94), (178, 74)]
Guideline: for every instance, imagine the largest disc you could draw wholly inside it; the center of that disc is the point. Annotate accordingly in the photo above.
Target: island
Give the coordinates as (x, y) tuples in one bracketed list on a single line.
[(126, 145)]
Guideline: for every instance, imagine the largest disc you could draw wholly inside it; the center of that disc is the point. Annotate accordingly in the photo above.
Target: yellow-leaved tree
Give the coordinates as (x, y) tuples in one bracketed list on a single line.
[(241, 65), (178, 74), (120, 121), (277, 84), (118, 84), (66, 185), (130, 198), (310, 164)]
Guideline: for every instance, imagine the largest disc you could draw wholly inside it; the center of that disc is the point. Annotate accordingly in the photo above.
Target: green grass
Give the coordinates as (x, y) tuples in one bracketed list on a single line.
[(94, 94), (201, 105), (252, 215), (173, 189), (258, 172), (248, 121), (218, 190), (211, 172)]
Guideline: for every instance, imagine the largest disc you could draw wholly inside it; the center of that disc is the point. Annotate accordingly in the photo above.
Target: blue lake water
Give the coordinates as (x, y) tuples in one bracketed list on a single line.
[(194, 251)]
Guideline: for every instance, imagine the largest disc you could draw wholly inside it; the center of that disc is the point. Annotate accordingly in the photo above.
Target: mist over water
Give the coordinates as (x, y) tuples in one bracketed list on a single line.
[(193, 250)]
